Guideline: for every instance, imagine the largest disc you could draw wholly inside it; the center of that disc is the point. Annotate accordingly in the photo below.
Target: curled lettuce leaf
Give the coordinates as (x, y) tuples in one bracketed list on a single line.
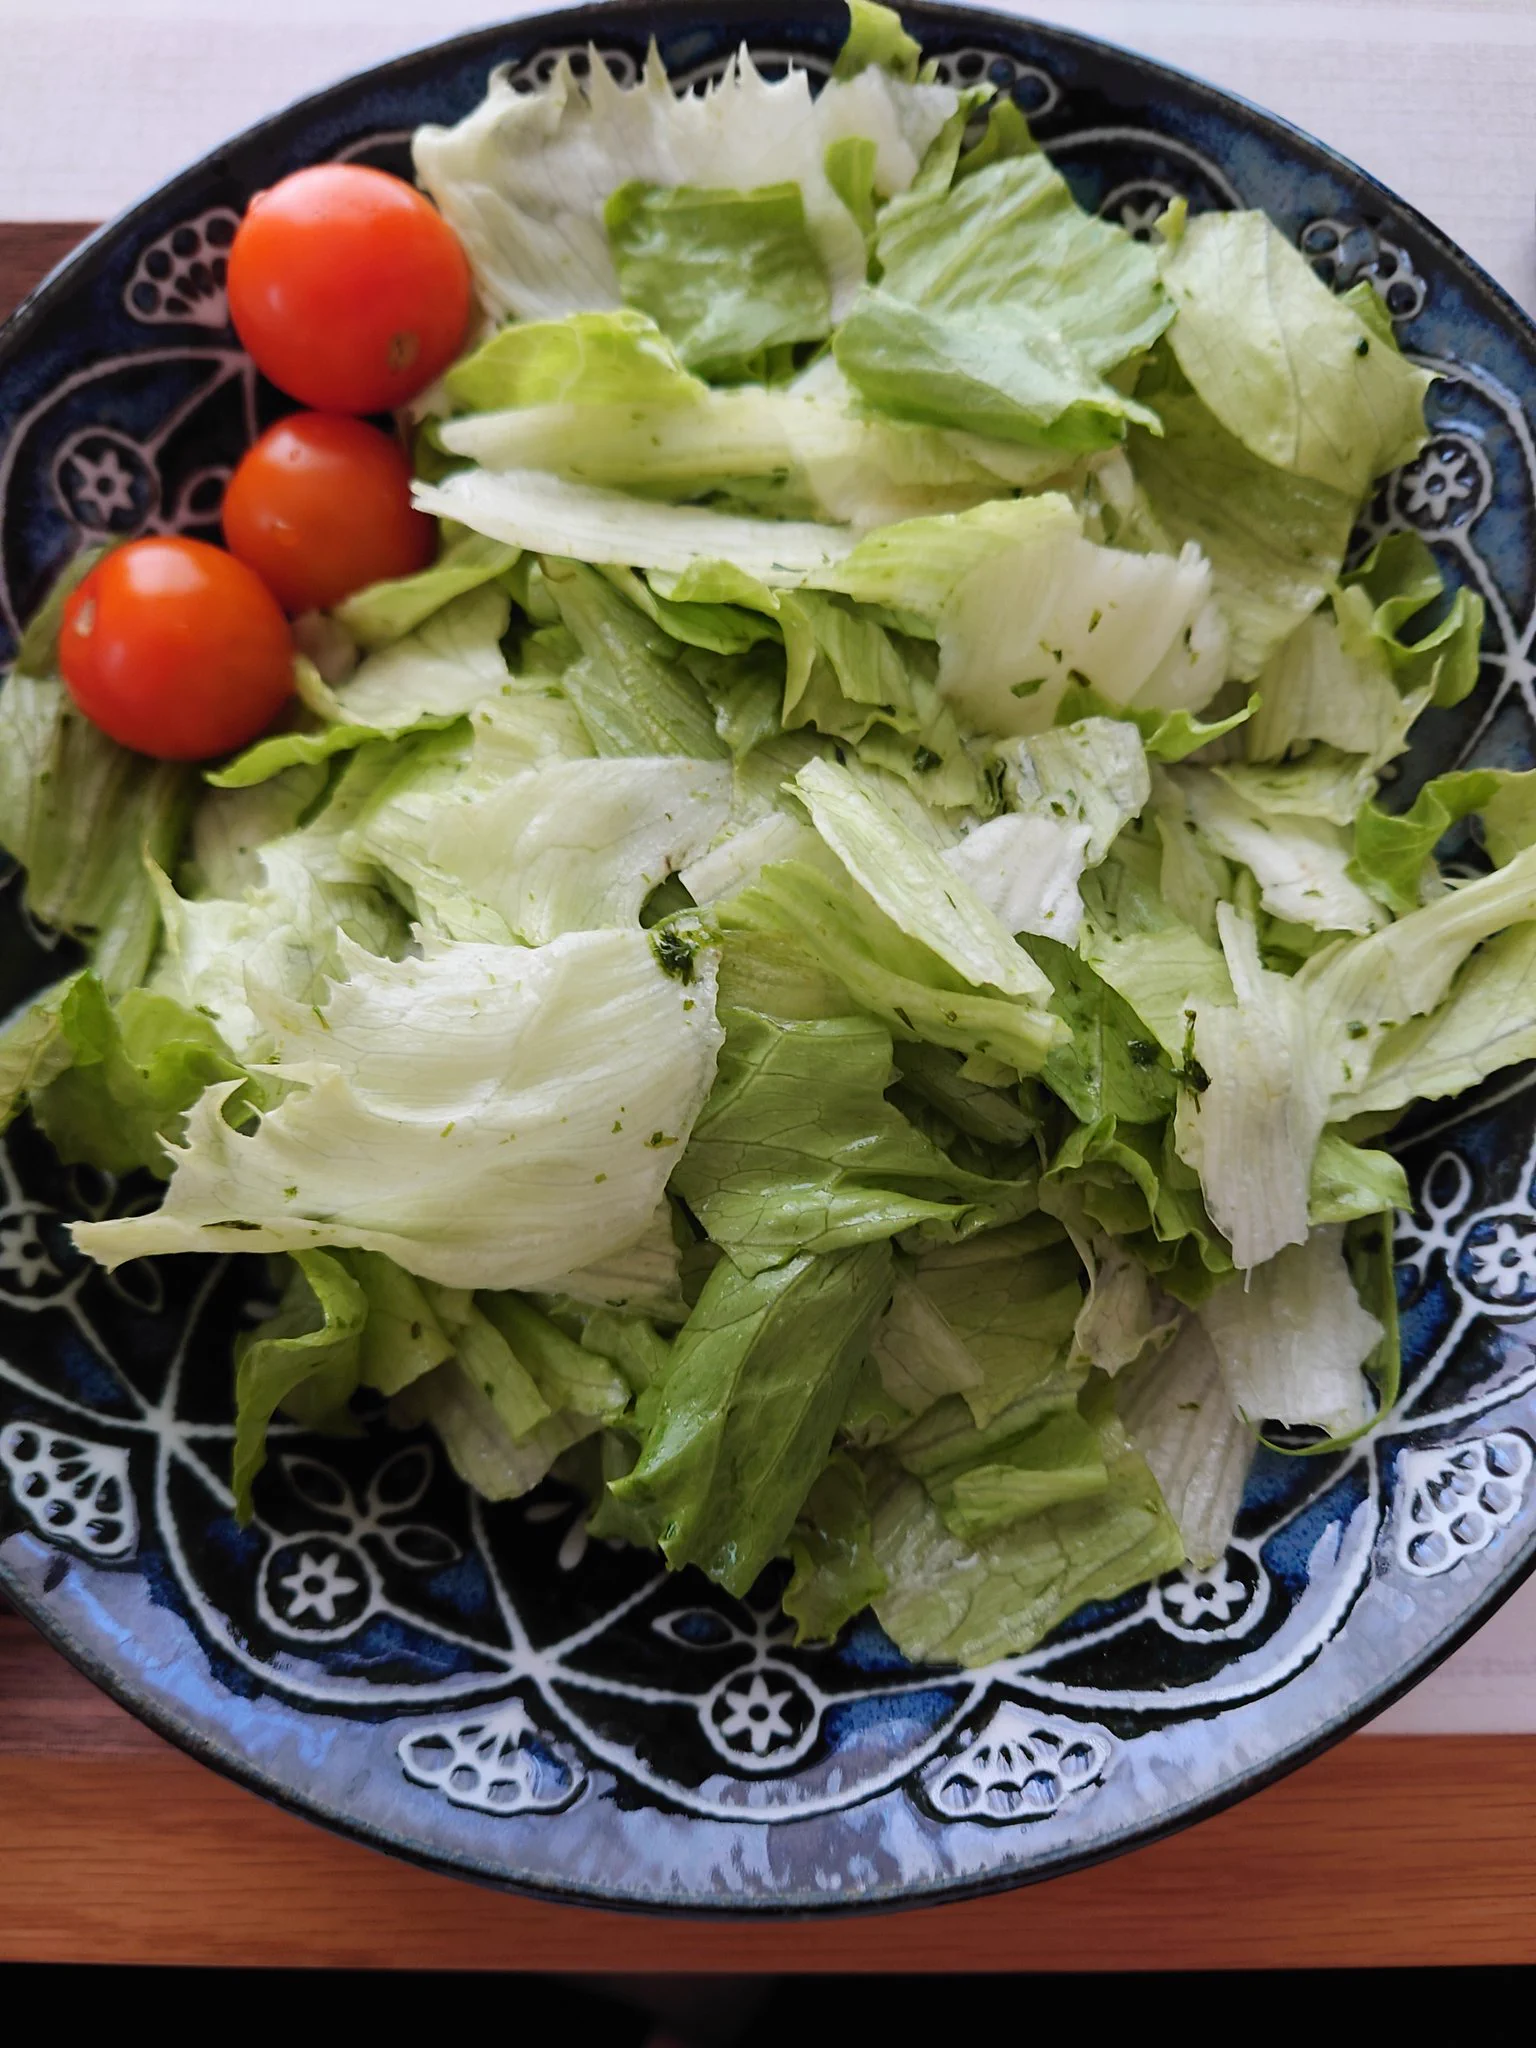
[(1308, 382), (383, 612), (524, 178), (912, 884), (1275, 540), (1023, 606), (486, 1116), (837, 929), (83, 817), (304, 1359)]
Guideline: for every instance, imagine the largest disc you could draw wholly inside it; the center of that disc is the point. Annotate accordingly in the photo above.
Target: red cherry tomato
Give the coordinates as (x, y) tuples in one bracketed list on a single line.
[(321, 506), (348, 288), (176, 649)]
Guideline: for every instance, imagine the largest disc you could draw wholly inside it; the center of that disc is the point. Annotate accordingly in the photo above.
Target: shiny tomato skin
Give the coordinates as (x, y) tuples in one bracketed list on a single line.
[(348, 288), (321, 507), (175, 649)]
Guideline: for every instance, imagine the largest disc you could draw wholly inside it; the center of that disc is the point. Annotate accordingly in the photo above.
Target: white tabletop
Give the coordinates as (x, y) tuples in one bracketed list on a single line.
[(101, 99)]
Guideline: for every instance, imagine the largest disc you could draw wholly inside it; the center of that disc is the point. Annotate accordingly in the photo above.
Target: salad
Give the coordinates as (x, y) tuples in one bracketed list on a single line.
[(825, 945)]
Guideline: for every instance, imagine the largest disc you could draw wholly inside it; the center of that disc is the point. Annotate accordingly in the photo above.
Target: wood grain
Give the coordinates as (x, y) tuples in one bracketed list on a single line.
[(29, 250), (1390, 1852), (115, 1848)]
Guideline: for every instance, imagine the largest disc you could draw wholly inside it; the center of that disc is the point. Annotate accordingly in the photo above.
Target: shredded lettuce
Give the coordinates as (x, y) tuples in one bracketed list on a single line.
[(833, 973)]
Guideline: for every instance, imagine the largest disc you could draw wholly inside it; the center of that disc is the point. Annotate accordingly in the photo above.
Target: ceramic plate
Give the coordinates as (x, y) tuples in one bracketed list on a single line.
[(482, 1689)]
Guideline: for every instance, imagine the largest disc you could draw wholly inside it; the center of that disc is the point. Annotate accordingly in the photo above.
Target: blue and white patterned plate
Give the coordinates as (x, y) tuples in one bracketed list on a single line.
[(480, 1688)]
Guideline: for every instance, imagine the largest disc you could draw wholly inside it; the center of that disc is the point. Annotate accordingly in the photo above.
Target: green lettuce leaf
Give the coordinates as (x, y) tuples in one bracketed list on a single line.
[(425, 680), (1359, 993), (1275, 539), (1001, 307), (304, 1360), (1109, 1066), (918, 1356), (134, 1067), (1390, 590), (836, 928), (33, 1048), (1308, 382), (1135, 940), (835, 1575), (1349, 1182), (587, 359), (1128, 1180), (1165, 735), (82, 815), (876, 36), (798, 1150), (1392, 847), (1012, 1297), (912, 884), (950, 1601), (742, 1420), (726, 275), (403, 1337), (1485, 1022), (633, 693), (1055, 1459), (383, 612)]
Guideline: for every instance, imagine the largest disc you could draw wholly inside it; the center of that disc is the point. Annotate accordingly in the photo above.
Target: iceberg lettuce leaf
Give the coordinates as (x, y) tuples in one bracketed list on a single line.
[(1308, 382), (488, 1116), (726, 275)]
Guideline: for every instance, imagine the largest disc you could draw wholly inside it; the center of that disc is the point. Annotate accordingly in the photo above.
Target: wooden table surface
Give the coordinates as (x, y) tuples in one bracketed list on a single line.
[(116, 1848)]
